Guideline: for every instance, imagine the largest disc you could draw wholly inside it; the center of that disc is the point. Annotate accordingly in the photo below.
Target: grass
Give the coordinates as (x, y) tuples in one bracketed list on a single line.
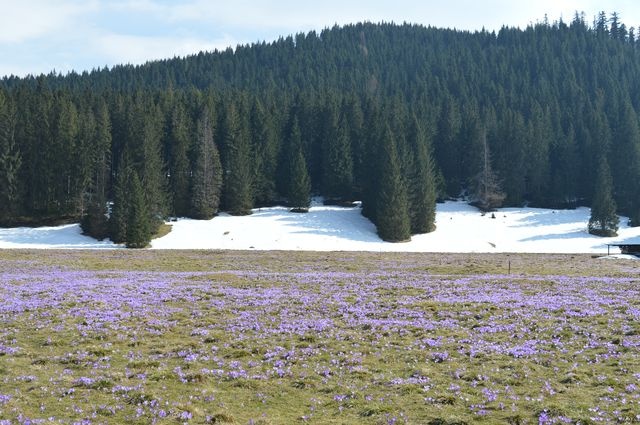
[(291, 337), (163, 230)]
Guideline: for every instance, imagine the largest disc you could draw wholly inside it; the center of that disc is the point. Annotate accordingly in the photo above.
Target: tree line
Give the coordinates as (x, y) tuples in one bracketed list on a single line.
[(393, 115)]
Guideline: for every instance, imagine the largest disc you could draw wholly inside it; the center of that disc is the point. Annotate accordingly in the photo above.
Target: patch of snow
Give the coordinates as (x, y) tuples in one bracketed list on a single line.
[(460, 228), (620, 257), (68, 236)]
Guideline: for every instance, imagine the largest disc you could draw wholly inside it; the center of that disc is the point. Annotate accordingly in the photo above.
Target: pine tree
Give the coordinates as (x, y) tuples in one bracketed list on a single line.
[(422, 184), (152, 173), (392, 216), (10, 163), (563, 167), (626, 159), (486, 194), (370, 176), (95, 222), (38, 158), (299, 187), (537, 156), (354, 117), (139, 221), (447, 147), (64, 138), (179, 167), (237, 182), (604, 220), (206, 181), (337, 161), (510, 155), (265, 148), (119, 214)]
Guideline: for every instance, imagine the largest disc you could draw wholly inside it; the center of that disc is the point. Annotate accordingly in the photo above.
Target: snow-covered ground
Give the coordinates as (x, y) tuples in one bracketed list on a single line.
[(68, 236), (460, 228)]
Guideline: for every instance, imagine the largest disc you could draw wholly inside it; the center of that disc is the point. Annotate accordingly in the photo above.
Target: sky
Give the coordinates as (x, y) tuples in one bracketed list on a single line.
[(39, 36)]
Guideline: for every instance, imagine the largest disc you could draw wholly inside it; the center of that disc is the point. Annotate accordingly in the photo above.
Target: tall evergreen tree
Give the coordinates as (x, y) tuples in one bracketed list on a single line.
[(238, 188), (337, 160), (265, 149), (95, 219), (206, 181), (447, 147), (510, 155), (63, 144), (119, 214), (537, 155), (486, 191), (179, 167), (422, 184), (563, 167), (10, 162), (370, 178), (354, 117), (604, 220), (625, 158), (139, 220), (148, 162), (392, 216), (38, 159), (299, 187)]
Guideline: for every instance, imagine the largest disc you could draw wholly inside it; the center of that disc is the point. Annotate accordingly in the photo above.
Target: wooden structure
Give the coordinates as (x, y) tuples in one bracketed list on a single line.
[(628, 248)]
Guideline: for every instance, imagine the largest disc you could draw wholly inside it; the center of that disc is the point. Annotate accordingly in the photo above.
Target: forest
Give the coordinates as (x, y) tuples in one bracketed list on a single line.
[(395, 115)]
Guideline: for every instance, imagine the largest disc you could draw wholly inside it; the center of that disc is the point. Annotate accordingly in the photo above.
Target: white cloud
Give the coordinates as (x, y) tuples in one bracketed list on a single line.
[(288, 16), (26, 20), (131, 49)]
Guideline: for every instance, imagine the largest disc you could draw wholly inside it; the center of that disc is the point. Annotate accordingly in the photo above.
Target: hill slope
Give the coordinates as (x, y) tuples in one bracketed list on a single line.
[(394, 115)]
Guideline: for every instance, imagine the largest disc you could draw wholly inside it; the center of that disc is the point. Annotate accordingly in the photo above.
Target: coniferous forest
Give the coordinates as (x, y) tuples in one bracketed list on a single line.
[(394, 115)]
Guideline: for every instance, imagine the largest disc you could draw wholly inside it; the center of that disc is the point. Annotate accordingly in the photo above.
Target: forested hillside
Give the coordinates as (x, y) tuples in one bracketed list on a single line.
[(393, 115)]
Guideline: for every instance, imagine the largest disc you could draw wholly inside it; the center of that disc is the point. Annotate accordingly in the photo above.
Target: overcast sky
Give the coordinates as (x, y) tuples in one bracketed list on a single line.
[(37, 36)]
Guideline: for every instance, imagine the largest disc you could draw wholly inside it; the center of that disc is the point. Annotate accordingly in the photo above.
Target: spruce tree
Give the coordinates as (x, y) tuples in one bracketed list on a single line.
[(151, 167), (265, 148), (10, 162), (35, 134), (354, 117), (337, 160), (299, 187), (119, 214), (447, 143), (392, 216), (95, 222), (486, 191), (64, 138), (370, 176), (604, 220), (626, 159), (510, 155), (422, 184), (139, 221), (206, 181), (179, 167), (237, 182), (537, 156)]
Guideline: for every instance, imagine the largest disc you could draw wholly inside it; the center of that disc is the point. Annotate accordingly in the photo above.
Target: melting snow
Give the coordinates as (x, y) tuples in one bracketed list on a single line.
[(460, 228)]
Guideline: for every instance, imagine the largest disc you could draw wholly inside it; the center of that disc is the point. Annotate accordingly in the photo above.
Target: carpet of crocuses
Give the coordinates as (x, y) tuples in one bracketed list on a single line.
[(90, 337)]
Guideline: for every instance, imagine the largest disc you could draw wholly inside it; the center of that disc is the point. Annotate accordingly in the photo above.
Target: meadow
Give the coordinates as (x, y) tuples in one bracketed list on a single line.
[(167, 337)]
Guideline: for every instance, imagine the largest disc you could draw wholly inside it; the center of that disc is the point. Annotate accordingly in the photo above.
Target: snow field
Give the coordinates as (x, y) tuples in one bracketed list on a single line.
[(460, 228)]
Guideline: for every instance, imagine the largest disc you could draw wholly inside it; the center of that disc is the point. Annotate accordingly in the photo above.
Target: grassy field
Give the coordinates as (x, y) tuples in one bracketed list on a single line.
[(164, 337)]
